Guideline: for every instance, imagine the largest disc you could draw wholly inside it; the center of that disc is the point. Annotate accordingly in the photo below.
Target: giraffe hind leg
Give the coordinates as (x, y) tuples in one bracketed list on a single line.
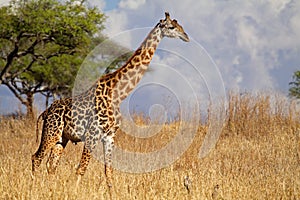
[(56, 152), (84, 161), (48, 140)]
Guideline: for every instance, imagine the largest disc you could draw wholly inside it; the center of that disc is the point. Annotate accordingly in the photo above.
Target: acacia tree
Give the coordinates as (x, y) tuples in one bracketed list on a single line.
[(42, 44), (294, 90)]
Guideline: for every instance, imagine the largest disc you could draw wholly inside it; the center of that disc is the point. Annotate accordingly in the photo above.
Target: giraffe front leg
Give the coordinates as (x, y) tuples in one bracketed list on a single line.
[(108, 144), (84, 161)]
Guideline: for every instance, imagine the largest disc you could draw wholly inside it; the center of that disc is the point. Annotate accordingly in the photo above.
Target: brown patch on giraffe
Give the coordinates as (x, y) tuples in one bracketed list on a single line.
[(116, 93), (114, 81), (137, 59), (124, 70), (131, 73), (138, 52), (138, 78), (98, 92), (110, 112), (149, 43), (130, 65), (122, 85), (119, 75), (133, 81), (108, 84), (128, 89), (125, 77), (145, 62), (151, 52)]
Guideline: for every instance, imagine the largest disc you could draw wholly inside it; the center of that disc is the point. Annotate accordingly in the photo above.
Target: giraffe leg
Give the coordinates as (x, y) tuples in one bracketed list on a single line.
[(55, 155), (49, 139), (39, 155), (84, 161), (108, 144)]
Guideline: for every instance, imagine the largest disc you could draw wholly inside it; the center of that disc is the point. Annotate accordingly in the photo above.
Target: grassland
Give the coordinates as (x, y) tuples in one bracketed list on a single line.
[(257, 157)]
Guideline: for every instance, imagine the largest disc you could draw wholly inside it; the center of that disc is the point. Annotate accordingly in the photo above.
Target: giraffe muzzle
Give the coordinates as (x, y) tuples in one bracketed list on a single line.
[(184, 37)]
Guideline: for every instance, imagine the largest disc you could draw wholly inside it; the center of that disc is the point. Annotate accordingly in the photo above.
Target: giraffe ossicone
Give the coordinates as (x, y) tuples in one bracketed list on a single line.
[(94, 115)]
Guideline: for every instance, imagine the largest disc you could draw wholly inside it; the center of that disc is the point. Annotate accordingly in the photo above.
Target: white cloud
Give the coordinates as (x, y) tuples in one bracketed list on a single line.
[(248, 40), (116, 22), (97, 3), (278, 5), (4, 2), (131, 4), (295, 26)]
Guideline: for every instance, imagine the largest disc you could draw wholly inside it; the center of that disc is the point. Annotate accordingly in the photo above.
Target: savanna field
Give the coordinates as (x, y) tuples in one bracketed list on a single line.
[(256, 157)]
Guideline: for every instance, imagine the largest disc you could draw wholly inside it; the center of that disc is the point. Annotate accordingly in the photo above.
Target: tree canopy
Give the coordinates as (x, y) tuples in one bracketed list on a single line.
[(294, 90), (43, 43)]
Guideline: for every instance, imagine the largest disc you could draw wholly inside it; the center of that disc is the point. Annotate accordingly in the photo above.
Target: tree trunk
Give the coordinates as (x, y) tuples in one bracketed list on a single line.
[(47, 99), (29, 106)]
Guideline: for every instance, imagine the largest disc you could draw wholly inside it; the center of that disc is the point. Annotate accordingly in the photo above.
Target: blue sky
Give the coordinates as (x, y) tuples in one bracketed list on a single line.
[(254, 44)]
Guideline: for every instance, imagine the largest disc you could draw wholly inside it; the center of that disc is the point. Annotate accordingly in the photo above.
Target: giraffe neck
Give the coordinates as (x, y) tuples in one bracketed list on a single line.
[(128, 76)]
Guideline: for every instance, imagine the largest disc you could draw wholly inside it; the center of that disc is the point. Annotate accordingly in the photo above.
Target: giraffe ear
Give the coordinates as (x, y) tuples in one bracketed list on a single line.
[(161, 23), (167, 16)]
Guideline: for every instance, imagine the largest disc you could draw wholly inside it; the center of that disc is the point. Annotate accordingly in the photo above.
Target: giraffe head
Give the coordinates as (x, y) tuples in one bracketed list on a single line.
[(171, 28)]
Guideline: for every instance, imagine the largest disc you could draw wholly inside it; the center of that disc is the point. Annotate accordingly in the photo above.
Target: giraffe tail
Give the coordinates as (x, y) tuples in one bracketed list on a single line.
[(41, 117)]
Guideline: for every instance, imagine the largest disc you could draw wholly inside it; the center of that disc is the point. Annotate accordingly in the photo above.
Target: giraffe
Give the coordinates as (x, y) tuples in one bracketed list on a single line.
[(94, 115)]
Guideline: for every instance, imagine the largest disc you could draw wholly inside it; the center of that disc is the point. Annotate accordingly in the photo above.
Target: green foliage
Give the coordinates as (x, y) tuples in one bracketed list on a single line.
[(43, 42), (294, 90)]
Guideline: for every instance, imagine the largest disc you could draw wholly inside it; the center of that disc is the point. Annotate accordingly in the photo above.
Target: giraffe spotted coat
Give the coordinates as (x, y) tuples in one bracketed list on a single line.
[(94, 115)]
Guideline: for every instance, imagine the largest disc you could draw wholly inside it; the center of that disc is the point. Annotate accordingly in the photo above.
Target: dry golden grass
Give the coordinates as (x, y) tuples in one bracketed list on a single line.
[(256, 157)]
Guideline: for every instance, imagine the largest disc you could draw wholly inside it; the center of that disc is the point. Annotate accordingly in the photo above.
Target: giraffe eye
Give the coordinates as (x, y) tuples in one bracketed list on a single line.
[(172, 27)]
